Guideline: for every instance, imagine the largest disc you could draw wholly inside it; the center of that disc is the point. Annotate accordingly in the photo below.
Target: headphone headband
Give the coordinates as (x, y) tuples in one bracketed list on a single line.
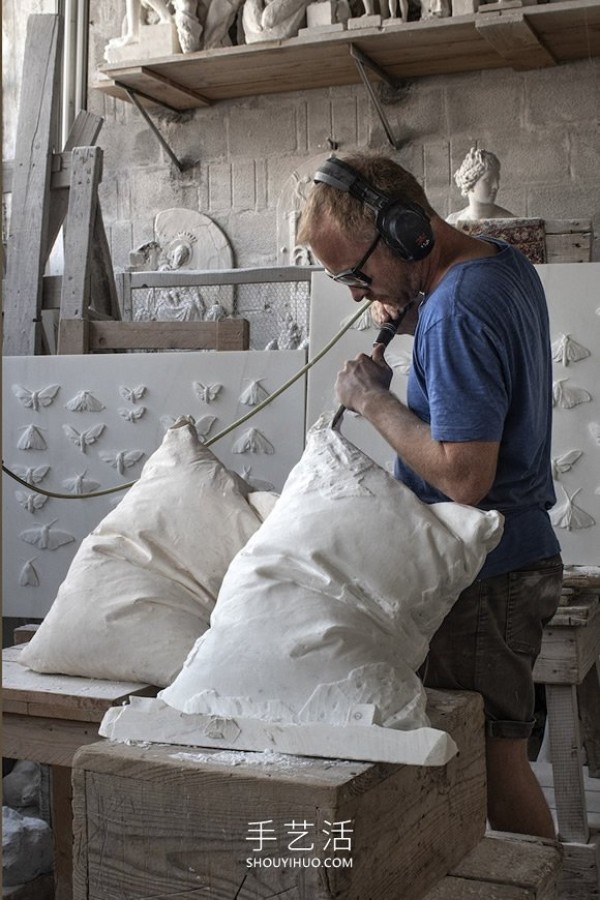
[(404, 226), (338, 174)]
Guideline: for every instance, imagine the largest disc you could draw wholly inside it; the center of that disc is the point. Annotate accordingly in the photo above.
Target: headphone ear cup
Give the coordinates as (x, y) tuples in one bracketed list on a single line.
[(406, 230)]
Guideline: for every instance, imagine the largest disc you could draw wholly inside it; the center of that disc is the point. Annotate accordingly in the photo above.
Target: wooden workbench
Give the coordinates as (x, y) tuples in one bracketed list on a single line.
[(168, 821)]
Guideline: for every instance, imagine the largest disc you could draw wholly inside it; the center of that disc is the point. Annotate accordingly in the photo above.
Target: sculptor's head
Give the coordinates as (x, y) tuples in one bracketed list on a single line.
[(481, 169)]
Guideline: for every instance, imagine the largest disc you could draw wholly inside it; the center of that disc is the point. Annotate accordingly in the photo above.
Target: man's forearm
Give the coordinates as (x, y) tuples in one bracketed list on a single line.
[(462, 471)]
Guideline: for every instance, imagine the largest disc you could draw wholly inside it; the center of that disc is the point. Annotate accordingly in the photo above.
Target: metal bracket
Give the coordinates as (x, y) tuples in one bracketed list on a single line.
[(133, 94), (363, 61)]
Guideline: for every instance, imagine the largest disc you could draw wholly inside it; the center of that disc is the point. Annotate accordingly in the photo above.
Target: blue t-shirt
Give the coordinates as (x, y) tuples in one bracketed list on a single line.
[(482, 371)]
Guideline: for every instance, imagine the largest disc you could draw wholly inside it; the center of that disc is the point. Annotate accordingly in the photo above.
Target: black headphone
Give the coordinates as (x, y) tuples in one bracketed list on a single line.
[(405, 227)]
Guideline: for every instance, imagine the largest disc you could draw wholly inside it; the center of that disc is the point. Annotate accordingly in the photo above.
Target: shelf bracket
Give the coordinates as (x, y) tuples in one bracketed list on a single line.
[(363, 62), (132, 94)]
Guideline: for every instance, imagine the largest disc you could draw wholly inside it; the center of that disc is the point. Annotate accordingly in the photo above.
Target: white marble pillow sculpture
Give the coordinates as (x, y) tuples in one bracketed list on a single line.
[(332, 603), (142, 585)]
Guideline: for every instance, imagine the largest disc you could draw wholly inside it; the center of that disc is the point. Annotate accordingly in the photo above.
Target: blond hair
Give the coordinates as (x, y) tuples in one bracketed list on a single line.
[(350, 215)]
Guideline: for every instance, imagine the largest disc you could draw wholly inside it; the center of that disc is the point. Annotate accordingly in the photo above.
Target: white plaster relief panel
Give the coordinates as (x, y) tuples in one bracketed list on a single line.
[(572, 292), (75, 450)]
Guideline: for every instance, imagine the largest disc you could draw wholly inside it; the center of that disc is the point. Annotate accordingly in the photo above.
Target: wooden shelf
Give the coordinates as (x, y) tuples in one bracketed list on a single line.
[(523, 38)]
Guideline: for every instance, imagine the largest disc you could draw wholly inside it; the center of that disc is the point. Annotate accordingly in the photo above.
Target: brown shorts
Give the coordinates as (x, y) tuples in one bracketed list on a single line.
[(490, 640)]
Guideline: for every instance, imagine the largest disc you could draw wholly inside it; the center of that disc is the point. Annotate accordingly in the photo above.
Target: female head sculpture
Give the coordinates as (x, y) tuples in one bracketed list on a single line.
[(478, 178)]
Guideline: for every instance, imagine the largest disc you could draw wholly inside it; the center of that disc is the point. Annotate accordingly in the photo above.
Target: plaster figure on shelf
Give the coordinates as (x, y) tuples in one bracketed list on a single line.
[(133, 18), (435, 9), (375, 8), (272, 20), (189, 28), (478, 178), (220, 16)]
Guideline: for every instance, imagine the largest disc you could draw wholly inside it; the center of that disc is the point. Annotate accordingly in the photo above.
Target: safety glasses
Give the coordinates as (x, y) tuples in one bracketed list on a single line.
[(354, 277)]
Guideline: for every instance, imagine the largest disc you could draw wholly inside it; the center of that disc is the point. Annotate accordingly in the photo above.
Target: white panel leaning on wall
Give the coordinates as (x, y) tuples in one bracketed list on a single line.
[(79, 424), (574, 306)]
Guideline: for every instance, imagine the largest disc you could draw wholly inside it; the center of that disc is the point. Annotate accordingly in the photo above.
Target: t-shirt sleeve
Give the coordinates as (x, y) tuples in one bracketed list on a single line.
[(467, 380)]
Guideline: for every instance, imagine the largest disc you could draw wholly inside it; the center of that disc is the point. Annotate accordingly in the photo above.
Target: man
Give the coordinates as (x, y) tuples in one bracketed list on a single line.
[(475, 429)]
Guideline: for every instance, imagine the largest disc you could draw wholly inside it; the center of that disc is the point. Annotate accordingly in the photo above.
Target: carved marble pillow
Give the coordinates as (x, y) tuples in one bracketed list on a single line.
[(142, 585), (332, 603)]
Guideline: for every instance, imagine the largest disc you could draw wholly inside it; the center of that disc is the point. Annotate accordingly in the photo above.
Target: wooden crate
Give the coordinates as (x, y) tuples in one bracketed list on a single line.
[(504, 867), (164, 821)]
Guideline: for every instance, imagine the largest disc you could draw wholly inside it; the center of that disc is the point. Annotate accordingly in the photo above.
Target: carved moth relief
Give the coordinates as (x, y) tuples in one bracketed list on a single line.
[(566, 513), (32, 438), (253, 441), (36, 398), (565, 350)]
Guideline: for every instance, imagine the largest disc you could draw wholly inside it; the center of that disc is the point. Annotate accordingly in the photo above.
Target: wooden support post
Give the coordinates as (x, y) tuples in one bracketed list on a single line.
[(83, 133), (588, 695), (565, 745), (62, 826), (27, 240), (86, 173), (103, 289)]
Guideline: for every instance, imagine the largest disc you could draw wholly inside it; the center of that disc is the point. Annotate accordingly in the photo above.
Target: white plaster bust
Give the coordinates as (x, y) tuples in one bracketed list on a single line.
[(478, 179)]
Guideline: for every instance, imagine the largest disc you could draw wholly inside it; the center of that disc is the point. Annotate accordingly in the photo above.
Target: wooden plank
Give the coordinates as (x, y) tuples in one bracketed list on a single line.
[(19, 707), (582, 609), (83, 133), (544, 774), (580, 878), (569, 248), (46, 740), (162, 89), (568, 226), (60, 176), (567, 653), (79, 698), (22, 634), (228, 334), (588, 696), (86, 174), (73, 336), (62, 828), (103, 289), (27, 239), (565, 749), (452, 888), (192, 278), (525, 862), (511, 35), (80, 834)]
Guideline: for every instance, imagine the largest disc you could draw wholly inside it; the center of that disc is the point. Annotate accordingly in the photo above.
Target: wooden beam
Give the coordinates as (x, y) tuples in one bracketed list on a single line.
[(512, 37), (81, 217), (103, 288), (83, 133), (159, 88), (73, 336), (60, 174), (27, 240), (228, 334)]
